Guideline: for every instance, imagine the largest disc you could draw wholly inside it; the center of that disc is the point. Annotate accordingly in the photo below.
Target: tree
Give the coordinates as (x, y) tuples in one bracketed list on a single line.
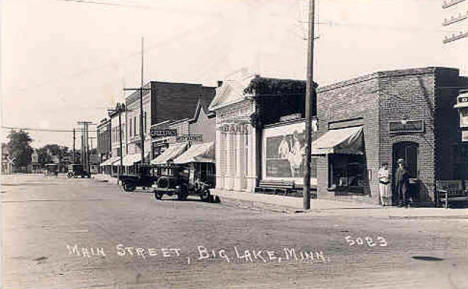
[(19, 147), (47, 152)]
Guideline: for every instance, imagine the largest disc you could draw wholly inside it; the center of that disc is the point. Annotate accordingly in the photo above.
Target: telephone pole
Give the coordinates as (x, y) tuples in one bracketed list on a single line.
[(309, 105), (141, 88), (74, 146), (85, 144)]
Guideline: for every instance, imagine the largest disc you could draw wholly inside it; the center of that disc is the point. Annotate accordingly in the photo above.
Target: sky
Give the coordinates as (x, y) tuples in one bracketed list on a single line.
[(64, 61)]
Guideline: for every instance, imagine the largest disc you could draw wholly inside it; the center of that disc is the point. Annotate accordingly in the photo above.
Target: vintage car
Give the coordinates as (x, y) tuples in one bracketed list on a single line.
[(142, 178), (51, 170), (77, 170), (184, 180)]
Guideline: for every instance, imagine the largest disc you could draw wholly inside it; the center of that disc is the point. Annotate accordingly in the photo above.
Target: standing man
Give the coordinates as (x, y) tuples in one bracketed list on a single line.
[(384, 184), (402, 184)]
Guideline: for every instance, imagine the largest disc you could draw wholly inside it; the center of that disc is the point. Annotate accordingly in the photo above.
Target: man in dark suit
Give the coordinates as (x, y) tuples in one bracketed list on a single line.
[(402, 184)]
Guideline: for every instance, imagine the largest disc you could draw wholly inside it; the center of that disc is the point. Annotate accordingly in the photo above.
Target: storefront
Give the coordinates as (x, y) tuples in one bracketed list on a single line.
[(244, 106), (386, 116)]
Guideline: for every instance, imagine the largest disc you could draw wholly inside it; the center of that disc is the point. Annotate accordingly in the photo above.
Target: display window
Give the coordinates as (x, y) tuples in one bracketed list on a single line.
[(347, 172)]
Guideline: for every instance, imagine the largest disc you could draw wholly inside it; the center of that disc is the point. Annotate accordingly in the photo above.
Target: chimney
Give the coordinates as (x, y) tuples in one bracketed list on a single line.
[(220, 83)]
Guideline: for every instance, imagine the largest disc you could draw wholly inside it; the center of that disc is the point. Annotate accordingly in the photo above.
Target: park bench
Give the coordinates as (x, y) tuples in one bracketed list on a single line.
[(275, 187), (450, 191)]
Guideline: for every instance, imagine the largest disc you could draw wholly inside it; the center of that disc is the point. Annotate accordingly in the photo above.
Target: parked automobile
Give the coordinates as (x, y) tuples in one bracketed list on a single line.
[(184, 180), (51, 170), (142, 178), (77, 170)]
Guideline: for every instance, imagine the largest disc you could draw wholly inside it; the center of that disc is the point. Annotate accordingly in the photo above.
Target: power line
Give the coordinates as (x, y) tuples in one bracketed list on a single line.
[(40, 129)]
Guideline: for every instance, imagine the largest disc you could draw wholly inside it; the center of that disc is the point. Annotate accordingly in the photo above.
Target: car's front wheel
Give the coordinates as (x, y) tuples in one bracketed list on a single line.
[(205, 195), (129, 186), (158, 194), (70, 175)]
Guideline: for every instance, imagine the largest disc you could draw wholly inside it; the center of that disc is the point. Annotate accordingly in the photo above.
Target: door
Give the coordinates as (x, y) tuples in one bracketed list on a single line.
[(407, 151)]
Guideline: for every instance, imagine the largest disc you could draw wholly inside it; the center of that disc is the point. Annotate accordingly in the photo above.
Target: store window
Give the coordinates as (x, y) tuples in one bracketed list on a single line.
[(347, 172)]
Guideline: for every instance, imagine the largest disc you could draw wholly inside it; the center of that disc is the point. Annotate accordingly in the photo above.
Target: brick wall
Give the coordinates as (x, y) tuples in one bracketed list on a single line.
[(177, 100), (348, 102)]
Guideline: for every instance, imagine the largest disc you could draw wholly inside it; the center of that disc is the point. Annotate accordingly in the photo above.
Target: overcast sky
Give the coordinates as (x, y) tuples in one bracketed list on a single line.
[(64, 61)]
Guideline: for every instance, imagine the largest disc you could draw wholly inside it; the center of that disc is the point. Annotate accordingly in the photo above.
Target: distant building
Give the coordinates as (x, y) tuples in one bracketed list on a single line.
[(7, 162), (164, 101), (35, 166), (104, 143)]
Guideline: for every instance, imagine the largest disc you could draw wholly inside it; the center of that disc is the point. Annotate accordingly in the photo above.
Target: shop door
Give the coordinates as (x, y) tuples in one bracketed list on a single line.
[(409, 152)]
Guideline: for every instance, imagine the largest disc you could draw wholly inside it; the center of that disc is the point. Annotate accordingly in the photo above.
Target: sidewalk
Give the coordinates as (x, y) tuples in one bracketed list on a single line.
[(323, 207)]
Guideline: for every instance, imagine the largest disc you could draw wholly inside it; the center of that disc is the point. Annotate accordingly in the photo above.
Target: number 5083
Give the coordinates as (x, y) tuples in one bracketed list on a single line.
[(366, 241)]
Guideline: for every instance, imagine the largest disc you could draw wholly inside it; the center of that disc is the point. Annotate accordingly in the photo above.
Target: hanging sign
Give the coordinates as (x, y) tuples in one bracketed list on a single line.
[(190, 137), (154, 132)]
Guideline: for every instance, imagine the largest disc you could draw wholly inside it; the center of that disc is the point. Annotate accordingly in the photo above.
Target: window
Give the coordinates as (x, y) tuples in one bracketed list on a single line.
[(144, 121), (135, 126), (130, 127), (347, 172)]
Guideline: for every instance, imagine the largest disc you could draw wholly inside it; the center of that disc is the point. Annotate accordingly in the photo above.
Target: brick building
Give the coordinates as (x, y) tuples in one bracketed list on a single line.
[(385, 116), (104, 144), (164, 101)]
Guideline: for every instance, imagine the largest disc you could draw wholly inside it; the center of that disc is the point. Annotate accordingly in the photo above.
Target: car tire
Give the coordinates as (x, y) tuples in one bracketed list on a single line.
[(129, 187), (69, 175), (205, 196), (163, 183), (158, 195)]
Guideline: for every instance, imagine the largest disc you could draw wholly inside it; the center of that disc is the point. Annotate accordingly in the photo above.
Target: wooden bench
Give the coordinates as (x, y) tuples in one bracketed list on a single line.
[(275, 186), (448, 191)]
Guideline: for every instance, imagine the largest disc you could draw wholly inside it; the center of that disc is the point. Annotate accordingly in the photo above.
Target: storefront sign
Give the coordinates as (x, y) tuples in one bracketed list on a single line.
[(406, 126), (234, 128), (154, 132), (190, 137)]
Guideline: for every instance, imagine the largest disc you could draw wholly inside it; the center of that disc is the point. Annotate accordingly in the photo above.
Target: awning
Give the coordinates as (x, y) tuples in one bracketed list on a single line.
[(110, 161), (130, 160), (461, 104), (172, 152), (201, 153), (339, 141)]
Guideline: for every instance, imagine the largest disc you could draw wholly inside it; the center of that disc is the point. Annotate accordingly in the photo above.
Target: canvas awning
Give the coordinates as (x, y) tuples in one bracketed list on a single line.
[(461, 104), (172, 152), (130, 160), (201, 153), (339, 141), (110, 161)]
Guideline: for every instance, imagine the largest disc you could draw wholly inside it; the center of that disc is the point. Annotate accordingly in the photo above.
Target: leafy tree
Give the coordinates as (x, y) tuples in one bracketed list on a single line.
[(47, 152), (19, 147)]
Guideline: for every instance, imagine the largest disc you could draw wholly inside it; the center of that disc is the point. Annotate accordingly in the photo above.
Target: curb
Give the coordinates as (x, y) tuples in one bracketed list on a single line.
[(262, 206)]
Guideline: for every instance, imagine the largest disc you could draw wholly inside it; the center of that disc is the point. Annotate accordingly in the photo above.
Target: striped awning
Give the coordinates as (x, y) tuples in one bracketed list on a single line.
[(172, 152), (339, 141), (110, 161), (198, 153)]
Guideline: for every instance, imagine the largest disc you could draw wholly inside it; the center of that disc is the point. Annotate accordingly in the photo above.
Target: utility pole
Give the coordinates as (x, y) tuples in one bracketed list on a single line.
[(141, 88), (73, 146), (85, 144), (309, 103), (120, 138)]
